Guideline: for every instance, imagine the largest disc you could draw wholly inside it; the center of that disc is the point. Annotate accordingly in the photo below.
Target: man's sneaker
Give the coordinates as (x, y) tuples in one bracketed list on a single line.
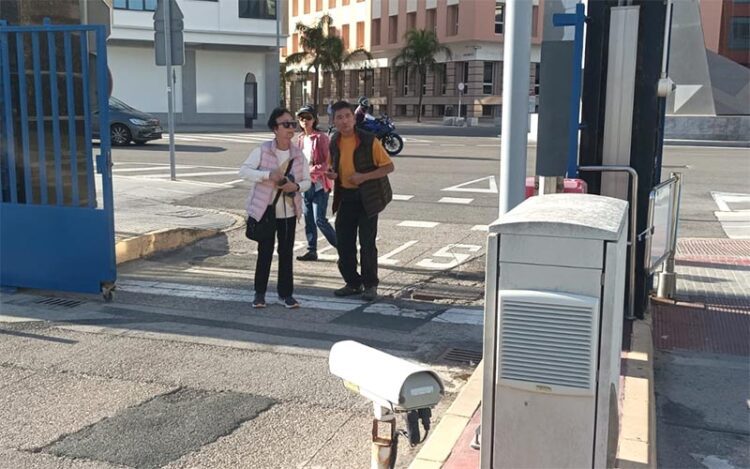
[(308, 256), (289, 302), (348, 290), (370, 294), (259, 301)]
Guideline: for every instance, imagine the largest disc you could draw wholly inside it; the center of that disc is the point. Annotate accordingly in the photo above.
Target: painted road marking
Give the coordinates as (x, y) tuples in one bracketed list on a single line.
[(182, 175), (480, 228), (402, 197), (418, 224), (491, 186), (735, 222), (454, 258), (471, 316), (387, 258), (455, 200)]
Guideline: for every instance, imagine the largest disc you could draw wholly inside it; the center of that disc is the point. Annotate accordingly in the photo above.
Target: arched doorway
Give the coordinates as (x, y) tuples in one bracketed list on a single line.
[(251, 100)]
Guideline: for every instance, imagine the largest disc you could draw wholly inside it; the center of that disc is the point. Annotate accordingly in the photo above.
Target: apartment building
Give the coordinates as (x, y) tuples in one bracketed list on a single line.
[(726, 28), (227, 43), (471, 29)]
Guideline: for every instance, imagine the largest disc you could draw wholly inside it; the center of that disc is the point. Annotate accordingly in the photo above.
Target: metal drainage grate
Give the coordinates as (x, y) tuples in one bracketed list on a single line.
[(460, 355), (62, 302)]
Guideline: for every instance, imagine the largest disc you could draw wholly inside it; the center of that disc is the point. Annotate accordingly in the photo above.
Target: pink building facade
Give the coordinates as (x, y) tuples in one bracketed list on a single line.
[(726, 28), (472, 29)]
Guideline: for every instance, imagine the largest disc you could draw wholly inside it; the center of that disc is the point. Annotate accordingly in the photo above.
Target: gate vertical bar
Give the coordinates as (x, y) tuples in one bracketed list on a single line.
[(51, 46), (39, 109), (102, 88), (23, 106), (91, 186), (8, 118), (71, 117)]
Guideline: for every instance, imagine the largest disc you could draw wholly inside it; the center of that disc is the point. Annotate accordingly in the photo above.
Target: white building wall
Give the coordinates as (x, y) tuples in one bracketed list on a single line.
[(137, 80), (220, 80)]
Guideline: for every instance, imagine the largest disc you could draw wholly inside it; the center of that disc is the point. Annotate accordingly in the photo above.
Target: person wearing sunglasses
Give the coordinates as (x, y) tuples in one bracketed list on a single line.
[(314, 145), (276, 165)]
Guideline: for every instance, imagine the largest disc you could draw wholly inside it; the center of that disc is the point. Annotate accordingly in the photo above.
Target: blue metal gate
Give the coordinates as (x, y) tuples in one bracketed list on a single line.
[(56, 213)]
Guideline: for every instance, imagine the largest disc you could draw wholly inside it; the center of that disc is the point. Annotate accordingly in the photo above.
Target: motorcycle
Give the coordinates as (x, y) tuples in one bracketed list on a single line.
[(384, 129)]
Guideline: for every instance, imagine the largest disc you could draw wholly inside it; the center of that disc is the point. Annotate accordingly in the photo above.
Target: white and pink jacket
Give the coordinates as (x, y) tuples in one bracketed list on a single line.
[(257, 169)]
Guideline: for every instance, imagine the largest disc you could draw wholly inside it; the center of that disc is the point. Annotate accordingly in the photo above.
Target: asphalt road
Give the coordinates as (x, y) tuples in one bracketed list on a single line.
[(434, 167)]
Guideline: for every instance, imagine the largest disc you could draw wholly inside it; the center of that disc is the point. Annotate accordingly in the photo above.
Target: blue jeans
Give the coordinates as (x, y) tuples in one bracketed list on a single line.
[(315, 206)]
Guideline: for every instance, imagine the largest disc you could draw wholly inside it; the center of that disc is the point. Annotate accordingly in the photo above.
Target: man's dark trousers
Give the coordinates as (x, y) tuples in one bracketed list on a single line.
[(285, 235), (351, 220)]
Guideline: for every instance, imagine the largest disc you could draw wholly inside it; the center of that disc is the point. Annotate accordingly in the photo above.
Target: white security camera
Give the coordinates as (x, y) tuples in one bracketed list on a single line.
[(388, 381)]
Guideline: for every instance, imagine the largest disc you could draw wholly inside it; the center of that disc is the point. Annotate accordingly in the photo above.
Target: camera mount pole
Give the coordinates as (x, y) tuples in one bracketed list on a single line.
[(383, 446)]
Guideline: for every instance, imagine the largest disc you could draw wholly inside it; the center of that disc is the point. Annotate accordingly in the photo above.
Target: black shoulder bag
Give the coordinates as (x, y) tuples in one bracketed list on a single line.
[(265, 227)]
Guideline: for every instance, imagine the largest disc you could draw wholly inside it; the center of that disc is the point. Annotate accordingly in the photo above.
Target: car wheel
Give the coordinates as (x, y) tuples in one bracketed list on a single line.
[(119, 134)]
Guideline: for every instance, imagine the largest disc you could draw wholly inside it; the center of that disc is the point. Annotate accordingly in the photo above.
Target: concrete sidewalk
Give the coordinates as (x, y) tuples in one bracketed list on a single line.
[(148, 219), (685, 374)]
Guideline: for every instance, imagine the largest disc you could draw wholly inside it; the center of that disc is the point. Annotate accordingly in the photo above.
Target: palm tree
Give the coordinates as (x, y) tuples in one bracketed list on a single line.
[(418, 56), (338, 57), (320, 51)]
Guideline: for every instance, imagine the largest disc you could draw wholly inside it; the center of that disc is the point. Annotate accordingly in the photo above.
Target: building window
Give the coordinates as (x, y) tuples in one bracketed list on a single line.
[(393, 29), (406, 82), (438, 110), (344, 2), (440, 79), (306, 9), (136, 5), (431, 20), (451, 26), (375, 33), (424, 85), (500, 17), (259, 9), (345, 35), (487, 76), (318, 5), (295, 43), (361, 34), (411, 20), (331, 3), (739, 33), (537, 73), (535, 21), (488, 110), (462, 74), (283, 52), (295, 7)]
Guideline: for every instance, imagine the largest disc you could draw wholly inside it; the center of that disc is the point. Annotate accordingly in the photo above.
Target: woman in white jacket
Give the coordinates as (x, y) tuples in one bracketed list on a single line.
[(265, 169)]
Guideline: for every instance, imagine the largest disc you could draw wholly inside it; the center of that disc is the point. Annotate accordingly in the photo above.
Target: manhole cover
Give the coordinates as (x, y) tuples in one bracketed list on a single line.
[(62, 302), (461, 355)]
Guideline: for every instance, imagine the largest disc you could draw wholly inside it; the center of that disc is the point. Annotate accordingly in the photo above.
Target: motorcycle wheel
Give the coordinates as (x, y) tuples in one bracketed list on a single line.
[(393, 144)]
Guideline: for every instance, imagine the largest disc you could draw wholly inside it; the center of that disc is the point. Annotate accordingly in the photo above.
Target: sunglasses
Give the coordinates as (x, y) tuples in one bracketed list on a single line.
[(305, 117), (288, 125)]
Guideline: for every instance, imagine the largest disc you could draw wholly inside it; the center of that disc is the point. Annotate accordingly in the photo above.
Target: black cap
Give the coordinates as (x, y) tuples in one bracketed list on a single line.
[(307, 109)]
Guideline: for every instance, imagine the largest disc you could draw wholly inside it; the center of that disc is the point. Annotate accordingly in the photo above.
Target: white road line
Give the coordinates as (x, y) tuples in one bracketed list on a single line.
[(491, 189), (418, 224), (236, 181), (455, 200), (117, 170), (392, 310), (386, 259), (330, 303), (402, 197), (453, 258), (328, 257), (182, 175), (723, 199), (480, 228), (474, 317)]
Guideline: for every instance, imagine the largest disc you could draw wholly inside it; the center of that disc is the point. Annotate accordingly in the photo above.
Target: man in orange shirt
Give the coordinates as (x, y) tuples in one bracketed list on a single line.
[(362, 190)]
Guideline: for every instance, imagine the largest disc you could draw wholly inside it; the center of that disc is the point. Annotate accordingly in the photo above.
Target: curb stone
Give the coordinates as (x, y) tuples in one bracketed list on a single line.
[(440, 444), (167, 239)]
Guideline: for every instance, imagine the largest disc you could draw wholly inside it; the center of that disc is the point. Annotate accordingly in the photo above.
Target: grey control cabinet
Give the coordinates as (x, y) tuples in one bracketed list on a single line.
[(554, 299)]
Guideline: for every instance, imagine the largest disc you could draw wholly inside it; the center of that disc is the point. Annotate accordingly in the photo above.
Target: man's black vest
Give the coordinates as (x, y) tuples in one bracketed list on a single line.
[(376, 193)]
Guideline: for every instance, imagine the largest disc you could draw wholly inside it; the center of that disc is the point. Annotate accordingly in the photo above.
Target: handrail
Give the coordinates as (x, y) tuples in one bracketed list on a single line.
[(633, 207)]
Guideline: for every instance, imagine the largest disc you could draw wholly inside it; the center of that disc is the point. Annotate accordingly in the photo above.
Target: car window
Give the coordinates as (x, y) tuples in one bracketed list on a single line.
[(115, 103)]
